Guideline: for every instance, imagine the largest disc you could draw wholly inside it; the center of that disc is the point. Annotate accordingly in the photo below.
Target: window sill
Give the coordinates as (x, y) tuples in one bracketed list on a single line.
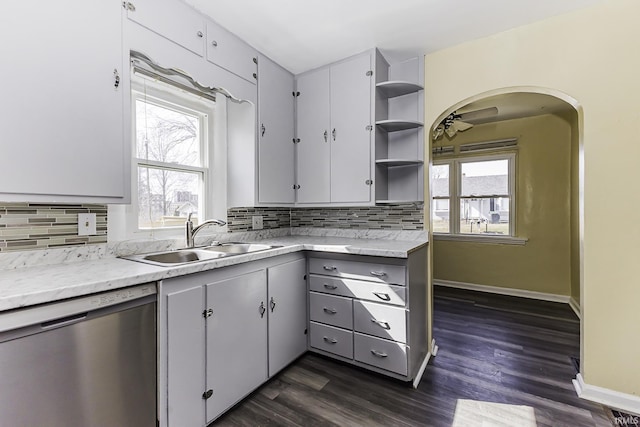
[(475, 238)]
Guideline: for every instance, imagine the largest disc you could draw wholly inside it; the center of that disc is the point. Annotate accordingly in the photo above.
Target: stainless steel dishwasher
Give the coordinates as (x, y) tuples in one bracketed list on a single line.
[(82, 362)]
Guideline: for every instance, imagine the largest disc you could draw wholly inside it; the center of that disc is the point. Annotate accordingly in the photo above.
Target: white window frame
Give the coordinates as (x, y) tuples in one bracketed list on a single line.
[(455, 190), (165, 95)]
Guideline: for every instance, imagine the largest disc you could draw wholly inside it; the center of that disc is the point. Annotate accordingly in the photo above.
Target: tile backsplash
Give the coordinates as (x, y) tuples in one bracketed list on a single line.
[(391, 217), (26, 226)]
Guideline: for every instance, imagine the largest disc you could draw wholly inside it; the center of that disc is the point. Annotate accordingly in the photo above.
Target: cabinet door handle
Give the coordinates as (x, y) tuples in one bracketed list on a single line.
[(326, 136), (261, 309), (200, 34), (382, 296), (379, 353), (328, 286), (262, 129), (330, 340), (333, 134), (329, 310), (330, 267), (382, 324), (378, 273), (214, 43), (272, 303)]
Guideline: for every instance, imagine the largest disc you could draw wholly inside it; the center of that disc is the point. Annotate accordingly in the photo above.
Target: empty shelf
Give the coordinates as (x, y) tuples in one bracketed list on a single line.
[(396, 125), (399, 162), (394, 88)]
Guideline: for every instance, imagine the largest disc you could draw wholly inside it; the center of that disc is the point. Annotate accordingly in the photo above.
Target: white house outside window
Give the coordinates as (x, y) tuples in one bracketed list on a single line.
[(474, 195), (171, 155)]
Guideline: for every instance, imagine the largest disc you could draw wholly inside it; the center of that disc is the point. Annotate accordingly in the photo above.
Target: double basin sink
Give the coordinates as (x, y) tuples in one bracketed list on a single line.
[(191, 255)]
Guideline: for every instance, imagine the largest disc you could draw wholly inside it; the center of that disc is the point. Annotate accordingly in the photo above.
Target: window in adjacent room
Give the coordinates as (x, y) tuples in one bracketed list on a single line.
[(171, 135), (474, 195)]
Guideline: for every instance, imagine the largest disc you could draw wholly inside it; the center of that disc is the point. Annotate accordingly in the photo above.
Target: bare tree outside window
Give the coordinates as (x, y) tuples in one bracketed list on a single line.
[(169, 155)]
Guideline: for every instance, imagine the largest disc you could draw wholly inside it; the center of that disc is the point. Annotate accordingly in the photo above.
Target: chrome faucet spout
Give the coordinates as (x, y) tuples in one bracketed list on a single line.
[(191, 231)]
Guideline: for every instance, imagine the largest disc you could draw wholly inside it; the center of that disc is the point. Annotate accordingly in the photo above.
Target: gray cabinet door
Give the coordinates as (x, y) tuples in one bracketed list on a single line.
[(185, 357), (229, 52), (62, 112), (275, 133), (350, 136), (287, 314), (313, 151), (236, 349)]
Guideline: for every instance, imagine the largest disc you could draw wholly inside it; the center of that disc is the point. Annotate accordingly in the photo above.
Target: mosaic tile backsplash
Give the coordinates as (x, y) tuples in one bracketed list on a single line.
[(392, 217), (26, 226)]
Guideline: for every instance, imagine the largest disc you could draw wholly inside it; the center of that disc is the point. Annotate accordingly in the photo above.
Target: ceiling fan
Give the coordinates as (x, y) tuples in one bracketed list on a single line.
[(459, 122)]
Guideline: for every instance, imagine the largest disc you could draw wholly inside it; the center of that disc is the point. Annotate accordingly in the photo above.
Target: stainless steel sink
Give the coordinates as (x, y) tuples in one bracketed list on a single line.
[(189, 256)]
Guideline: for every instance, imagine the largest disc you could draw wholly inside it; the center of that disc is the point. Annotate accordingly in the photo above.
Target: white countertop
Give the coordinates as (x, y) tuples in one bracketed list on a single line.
[(21, 287)]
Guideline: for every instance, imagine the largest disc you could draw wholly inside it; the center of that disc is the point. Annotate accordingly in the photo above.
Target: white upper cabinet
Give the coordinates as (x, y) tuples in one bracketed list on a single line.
[(275, 133), (350, 130), (334, 126), (314, 149), (171, 19), (229, 52), (61, 103)]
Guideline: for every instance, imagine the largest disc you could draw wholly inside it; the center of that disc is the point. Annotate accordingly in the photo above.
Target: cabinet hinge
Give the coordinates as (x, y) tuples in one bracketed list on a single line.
[(207, 394), (129, 6), (255, 76), (207, 313), (369, 73), (296, 186), (295, 94), (295, 140), (369, 128), (255, 61), (369, 182)]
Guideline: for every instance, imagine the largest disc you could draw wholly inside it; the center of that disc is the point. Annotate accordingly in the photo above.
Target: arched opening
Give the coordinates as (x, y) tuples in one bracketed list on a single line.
[(526, 240)]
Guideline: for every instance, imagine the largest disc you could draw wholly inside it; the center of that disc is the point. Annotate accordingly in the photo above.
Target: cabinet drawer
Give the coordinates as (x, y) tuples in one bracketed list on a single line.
[(384, 354), (378, 292), (332, 310), (381, 273), (333, 340), (383, 321)]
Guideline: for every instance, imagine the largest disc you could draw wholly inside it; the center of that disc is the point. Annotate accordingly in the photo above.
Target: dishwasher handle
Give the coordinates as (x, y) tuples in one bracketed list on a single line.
[(64, 321)]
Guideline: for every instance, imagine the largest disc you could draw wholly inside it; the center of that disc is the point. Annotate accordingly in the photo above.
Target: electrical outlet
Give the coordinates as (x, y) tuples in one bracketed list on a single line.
[(86, 224), (256, 222)]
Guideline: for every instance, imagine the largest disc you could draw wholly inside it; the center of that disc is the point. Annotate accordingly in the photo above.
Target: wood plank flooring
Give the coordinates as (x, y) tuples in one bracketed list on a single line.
[(502, 361)]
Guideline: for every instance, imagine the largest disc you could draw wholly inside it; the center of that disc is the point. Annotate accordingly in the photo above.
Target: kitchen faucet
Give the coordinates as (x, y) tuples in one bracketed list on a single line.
[(191, 231)]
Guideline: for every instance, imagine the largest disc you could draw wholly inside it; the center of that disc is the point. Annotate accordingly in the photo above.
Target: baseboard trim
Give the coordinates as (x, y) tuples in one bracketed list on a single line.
[(614, 399), (575, 307), (423, 367), (503, 291)]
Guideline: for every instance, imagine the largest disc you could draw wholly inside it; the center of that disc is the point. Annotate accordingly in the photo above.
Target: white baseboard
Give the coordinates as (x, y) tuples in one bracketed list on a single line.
[(425, 362), (503, 291), (575, 307), (614, 399)]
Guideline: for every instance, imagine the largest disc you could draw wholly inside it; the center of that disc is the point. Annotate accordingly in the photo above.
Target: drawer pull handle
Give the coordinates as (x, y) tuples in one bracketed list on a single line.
[(382, 324), (382, 296), (330, 340), (378, 273), (329, 310), (377, 353), (328, 286), (330, 267)]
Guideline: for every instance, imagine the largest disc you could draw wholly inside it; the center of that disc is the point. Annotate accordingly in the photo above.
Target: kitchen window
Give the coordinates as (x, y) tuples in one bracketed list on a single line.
[(474, 196), (172, 131)]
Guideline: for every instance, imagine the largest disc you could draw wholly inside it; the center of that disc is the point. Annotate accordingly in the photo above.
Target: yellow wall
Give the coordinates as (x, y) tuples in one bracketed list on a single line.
[(572, 119), (593, 56), (543, 189)]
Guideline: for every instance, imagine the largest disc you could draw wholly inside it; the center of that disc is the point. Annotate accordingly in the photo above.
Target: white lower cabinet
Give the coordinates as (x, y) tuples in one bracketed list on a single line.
[(370, 311), (236, 339), (224, 332)]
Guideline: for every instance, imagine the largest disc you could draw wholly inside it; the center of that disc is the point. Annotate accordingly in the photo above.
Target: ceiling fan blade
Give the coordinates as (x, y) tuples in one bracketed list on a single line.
[(478, 114), (461, 126)]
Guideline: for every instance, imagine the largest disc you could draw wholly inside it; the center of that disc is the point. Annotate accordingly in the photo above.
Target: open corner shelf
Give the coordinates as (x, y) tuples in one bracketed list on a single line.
[(397, 202), (394, 88), (396, 125), (399, 162)]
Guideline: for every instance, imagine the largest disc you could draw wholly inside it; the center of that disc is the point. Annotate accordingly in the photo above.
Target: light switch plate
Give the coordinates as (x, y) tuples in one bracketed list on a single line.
[(256, 222), (86, 224)]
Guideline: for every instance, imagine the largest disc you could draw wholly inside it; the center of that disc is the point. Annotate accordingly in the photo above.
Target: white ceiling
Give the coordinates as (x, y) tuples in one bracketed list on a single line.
[(304, 34)]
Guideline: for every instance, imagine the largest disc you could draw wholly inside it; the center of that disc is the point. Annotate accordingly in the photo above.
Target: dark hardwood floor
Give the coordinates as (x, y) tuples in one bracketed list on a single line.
[(502, 361)]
